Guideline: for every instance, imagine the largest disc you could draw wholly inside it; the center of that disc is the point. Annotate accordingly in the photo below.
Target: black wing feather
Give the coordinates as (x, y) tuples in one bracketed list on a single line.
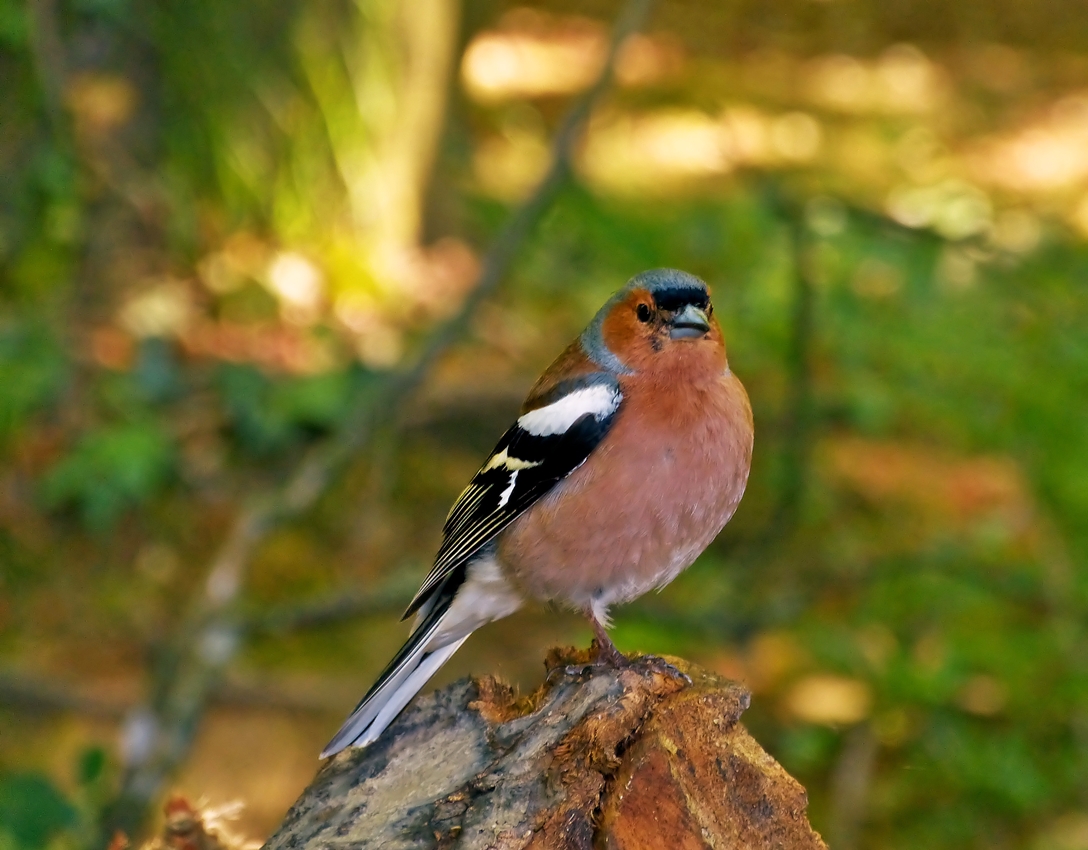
[(499, 494)]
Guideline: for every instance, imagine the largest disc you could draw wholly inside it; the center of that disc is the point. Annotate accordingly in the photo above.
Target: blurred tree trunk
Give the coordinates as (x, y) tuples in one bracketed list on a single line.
[(631, 758), (398, 61), (408, 143)]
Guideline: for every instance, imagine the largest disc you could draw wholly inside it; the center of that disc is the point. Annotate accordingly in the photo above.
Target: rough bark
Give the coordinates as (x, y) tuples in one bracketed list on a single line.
[(597, 757)]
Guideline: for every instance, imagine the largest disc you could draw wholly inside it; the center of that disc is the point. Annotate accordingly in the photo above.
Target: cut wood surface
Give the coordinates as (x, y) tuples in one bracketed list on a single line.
[(597, 757)]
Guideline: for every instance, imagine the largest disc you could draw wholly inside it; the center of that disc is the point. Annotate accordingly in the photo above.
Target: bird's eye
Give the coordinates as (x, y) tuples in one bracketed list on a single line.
[(709, 309), (643, 312)]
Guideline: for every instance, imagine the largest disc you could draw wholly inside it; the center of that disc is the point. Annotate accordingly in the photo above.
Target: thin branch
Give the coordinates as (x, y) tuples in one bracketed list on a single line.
[(851, 787), (159, 736), (50, 64), (799, 410), (36, 697), (26, 695), (799, 419), (393, 595)]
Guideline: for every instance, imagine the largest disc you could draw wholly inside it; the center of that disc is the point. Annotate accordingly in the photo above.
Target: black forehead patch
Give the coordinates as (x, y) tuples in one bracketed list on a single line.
[(677, 297)]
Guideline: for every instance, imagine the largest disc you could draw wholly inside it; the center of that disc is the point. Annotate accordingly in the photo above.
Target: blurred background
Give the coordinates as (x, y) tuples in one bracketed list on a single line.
[(243, 375)]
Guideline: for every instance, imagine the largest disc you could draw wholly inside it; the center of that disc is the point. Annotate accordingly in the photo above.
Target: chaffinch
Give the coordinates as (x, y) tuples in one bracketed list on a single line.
[(630, 454)]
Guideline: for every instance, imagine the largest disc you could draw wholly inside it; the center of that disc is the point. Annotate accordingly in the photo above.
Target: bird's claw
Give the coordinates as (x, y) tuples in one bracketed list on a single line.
[(657, 664), (603, 659)]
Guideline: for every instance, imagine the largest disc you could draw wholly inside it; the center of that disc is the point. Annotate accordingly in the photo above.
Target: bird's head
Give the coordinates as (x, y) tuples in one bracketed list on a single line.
[(662, 319)]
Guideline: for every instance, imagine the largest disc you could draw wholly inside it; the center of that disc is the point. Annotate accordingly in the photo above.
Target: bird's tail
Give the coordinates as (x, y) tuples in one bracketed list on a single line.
[(466, 600), (401, 680)]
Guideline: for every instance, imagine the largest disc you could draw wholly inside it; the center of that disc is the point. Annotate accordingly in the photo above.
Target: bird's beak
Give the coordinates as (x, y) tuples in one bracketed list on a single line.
[(689, 323)]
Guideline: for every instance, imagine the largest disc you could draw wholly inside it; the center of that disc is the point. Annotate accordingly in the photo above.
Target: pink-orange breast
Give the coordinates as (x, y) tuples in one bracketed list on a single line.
[(649, 499)]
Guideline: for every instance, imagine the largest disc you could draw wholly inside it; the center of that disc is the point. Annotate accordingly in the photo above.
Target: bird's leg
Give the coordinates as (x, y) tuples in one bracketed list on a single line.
[(609, 656), (607, 653)]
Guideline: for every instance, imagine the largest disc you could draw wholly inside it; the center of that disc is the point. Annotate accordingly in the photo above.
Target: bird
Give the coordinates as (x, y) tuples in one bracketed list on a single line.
[(629, 456)]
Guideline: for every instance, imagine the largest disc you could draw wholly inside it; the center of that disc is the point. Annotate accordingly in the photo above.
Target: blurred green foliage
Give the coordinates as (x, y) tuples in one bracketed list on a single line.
[(109, 470), (32, 371), (32, 811), (36, 813), (268, 415)]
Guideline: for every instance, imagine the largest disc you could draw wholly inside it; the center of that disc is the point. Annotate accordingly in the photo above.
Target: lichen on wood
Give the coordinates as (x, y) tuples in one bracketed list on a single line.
[(597, 757)]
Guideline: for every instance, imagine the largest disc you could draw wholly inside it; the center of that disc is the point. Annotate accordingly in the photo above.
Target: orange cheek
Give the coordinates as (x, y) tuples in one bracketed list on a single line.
[(716, 333), (623, 333), (630, 340)]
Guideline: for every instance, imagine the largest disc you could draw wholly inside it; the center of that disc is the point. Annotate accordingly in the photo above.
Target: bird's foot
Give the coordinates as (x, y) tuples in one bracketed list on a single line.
[(610, 658), (598, 657), (602, 647)]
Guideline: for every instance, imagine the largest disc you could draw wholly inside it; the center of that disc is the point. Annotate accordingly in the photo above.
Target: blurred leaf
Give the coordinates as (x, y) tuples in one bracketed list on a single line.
[(110, 9), (39, 270), (157, 372), (32, 810), (91, 765), (32, 371), (54, 173), (268, 414), (246, 391), (13, 23), (804, 748), (109, 471), (316, 402)]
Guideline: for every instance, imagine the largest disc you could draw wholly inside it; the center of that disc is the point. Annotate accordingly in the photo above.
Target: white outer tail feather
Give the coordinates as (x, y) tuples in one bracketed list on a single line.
[(411, 686), (373, 717), (483, 597)]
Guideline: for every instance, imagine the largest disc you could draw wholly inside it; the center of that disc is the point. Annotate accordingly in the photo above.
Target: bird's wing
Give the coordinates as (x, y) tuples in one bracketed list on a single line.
[(542, 448)]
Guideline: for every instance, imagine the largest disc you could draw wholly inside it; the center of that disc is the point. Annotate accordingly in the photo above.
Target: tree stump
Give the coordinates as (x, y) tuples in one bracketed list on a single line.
[(597, 757)]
